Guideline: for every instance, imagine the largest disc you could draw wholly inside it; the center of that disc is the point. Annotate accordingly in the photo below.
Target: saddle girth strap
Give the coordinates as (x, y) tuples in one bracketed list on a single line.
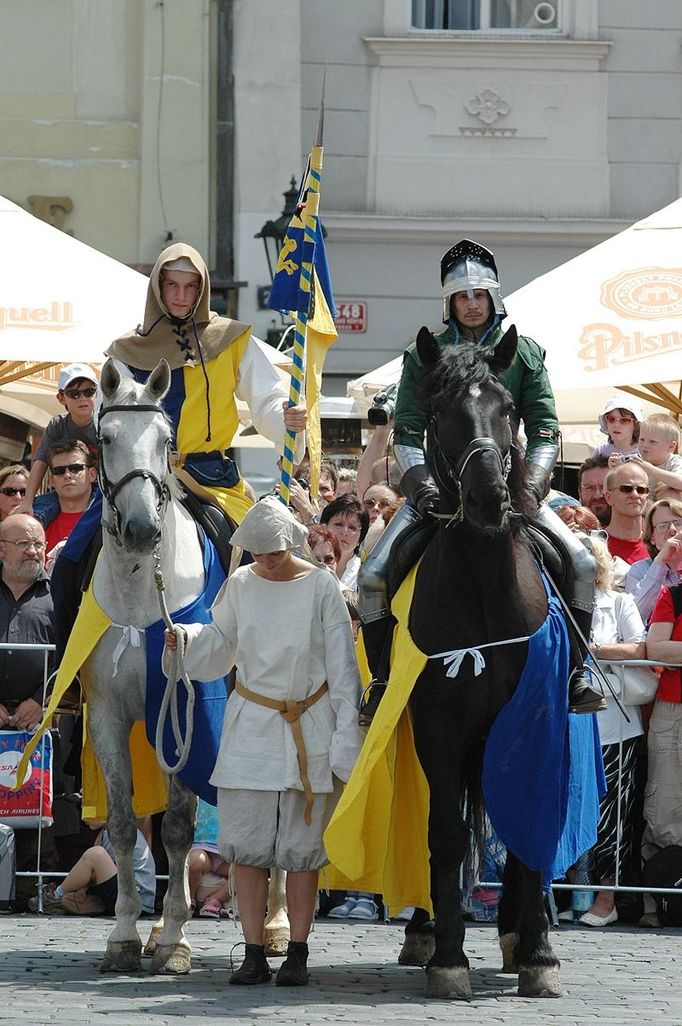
[(291, 711)]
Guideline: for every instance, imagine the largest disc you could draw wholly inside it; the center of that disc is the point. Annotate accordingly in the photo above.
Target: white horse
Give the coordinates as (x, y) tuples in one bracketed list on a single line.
[(144, 526), (141, 515)]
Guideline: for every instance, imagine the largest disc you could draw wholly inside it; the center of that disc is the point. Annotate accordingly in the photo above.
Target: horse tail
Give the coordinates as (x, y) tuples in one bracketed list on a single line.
[(473, 808)]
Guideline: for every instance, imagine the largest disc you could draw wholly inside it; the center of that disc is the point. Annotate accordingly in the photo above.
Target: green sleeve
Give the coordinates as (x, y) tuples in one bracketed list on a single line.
[(410, 420), (535, 405)]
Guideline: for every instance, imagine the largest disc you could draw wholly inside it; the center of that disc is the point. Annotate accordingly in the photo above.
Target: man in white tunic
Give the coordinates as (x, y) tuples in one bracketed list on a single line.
[(290, 732)]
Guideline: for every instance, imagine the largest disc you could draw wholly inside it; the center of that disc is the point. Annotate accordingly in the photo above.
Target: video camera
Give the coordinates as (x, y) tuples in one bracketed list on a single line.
[(382, 409)]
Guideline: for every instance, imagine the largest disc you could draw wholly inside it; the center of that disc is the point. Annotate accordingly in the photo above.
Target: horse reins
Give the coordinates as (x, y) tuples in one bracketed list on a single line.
[(176, 670)]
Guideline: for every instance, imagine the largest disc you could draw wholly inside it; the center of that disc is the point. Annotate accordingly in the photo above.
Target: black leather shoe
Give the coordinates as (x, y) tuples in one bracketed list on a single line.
[(373, 694), (254, 968), (293, 971), (582, 697)]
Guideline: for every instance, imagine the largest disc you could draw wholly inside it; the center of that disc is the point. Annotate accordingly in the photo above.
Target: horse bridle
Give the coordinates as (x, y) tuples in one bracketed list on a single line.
[(450, 472), (111, 489)]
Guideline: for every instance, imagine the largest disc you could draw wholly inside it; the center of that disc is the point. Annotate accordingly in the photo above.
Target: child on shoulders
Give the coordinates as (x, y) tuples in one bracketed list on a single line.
[(620, 421)]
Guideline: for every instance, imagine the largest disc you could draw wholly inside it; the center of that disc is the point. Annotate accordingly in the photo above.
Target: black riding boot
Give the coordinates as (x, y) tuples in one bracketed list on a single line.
[(583, 696), (376, 636), (254, 968), (293, 971)]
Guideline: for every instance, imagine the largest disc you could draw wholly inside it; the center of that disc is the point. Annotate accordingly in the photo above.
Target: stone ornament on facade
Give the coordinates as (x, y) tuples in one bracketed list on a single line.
[(52, 210), (488, 106)]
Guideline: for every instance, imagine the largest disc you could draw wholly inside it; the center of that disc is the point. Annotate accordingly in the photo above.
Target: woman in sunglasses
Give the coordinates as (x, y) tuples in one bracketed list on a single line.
[(12, 488)]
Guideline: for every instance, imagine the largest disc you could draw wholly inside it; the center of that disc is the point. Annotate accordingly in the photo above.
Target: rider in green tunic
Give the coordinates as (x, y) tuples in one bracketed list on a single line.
[(473, 311)]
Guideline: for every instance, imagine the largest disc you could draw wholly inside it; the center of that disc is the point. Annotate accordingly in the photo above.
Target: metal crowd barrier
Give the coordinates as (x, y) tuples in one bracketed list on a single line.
[(617, 886)]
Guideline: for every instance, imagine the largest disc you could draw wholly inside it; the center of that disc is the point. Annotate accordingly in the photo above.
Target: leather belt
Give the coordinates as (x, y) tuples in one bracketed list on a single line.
[(291, 711)]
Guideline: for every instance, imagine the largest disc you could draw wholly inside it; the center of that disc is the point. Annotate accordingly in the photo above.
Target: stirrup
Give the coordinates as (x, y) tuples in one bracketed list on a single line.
[(371, 697), (582, 697)]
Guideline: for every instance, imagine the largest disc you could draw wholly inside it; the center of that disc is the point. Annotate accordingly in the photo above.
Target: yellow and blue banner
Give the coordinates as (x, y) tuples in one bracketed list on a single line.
[(302, 287)]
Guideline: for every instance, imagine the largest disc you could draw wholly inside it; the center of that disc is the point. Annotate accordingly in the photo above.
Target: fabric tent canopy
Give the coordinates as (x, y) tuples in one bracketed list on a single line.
[(60, 300)]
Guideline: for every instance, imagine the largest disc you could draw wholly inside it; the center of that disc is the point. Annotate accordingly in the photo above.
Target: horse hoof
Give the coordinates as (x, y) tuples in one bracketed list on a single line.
[(417, 949), (122, 957), (540, 981), (276, 940), (172, 959), (508, 942), (153, 939), (442, 982)]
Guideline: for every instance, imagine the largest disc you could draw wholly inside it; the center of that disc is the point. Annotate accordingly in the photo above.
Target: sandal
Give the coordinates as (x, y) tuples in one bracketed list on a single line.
[(343, 910), (210, 909), (365, 908)]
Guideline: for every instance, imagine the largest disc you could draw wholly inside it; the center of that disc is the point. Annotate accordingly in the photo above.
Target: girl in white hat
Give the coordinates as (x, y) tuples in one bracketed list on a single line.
[(619, 420)]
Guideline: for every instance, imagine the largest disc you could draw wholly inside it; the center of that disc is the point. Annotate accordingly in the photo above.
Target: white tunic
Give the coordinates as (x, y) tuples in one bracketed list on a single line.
[(285, 638)]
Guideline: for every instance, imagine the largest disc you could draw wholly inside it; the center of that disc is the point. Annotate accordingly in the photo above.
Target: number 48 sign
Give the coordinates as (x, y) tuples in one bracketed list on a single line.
[(351, 316)]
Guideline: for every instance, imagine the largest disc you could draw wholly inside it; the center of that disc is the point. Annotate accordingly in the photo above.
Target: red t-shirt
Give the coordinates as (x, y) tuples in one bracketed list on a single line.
[(60, 528), (630, 551), (670, 687)]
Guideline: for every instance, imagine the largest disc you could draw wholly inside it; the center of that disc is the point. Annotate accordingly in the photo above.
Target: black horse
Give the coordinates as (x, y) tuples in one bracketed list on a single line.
[(480, 576)]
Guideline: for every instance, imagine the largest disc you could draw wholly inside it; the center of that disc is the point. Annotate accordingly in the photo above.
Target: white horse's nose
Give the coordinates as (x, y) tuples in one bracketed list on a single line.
[(141, 535)]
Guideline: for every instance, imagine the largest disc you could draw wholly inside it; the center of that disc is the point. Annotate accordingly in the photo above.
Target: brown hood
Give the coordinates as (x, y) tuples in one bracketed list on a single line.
[(160, 335), (155, 306)]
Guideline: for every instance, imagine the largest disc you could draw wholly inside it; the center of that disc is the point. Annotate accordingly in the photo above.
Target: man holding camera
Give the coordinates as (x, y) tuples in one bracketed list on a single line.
[(472, 312)]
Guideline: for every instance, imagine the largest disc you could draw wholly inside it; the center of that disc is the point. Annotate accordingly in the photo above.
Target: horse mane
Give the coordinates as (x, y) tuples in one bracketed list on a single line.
[(459, 367), (445, 384)]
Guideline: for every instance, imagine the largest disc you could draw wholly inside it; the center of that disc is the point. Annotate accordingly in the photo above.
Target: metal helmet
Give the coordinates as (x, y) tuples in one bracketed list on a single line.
[(468, 266)]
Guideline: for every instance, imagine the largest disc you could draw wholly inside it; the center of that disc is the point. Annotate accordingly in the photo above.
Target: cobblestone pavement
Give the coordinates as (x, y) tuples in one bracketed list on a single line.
[(48, 974)]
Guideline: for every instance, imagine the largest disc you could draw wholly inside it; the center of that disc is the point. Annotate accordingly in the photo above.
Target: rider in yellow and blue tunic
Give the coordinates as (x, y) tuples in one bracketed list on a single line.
[(213, 362)]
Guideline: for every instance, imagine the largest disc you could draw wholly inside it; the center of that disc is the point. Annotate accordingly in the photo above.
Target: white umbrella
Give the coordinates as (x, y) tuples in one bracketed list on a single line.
[(612, 317), (60, 300)]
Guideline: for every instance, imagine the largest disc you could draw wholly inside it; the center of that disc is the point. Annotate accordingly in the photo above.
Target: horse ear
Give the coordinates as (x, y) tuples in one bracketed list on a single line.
[(110, 379), (505, 351), (158, 381), (428, 349)]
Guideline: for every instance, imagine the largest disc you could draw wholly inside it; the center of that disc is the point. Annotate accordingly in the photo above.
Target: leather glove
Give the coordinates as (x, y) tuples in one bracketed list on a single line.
[(420, 488)]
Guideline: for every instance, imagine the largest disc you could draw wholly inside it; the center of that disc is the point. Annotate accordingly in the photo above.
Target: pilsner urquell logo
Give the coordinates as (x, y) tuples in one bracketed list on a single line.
[(54, 317), (644, 294)]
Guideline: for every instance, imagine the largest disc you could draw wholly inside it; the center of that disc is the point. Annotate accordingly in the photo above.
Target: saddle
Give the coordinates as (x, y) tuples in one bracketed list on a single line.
[(213, 522), (551, 554), (406, 550)]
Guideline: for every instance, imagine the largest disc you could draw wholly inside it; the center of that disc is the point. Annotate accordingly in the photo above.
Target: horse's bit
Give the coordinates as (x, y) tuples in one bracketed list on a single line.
[(451, 472), (110, 490)]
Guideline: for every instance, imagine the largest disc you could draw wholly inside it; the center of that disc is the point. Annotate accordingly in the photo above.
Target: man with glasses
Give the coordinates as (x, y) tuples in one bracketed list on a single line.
[(591, 476), (77, 389), (25, 618), (626, 490), (72, 477)]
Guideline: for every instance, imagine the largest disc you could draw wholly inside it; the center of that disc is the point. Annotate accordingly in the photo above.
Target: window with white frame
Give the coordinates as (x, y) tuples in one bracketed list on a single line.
[(482, 15)]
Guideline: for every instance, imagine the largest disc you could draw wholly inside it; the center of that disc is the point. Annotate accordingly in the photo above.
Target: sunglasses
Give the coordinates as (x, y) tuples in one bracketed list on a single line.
[(73, 468), (13, 491), (76, 393), (640, 489), (612, 418)]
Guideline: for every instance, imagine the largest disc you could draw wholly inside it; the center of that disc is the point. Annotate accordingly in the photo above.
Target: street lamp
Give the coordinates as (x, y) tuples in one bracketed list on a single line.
[(273, 232)]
